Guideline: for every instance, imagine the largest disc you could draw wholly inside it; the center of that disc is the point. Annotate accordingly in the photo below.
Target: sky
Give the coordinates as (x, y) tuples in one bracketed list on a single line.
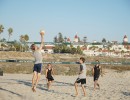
[(95, 19)]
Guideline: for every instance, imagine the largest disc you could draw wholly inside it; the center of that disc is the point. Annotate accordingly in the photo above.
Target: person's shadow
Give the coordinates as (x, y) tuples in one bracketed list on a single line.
[(39, 86), (126, 93), (28, 83), (63, 83), (2, 89)]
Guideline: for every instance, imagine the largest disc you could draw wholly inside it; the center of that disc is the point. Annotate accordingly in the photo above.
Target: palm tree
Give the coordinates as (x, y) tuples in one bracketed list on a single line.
[(1, 29), (10, 30), (60, 39), (22, 40), (26, 38)]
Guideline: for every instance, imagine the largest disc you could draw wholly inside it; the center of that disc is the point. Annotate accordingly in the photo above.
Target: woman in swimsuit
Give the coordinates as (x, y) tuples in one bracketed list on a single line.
[(97, 70), (49, 72)]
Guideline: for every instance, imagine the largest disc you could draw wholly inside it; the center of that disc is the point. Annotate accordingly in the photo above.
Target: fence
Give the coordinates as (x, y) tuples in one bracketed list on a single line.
[(88, 63)]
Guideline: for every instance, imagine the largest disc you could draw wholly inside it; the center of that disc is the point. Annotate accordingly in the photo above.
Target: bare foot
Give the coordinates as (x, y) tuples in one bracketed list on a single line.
[(34, 89), (76, 94)]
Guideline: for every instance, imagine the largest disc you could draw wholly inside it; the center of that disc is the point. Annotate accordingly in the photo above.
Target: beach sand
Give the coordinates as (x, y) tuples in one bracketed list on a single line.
[(114, 86)]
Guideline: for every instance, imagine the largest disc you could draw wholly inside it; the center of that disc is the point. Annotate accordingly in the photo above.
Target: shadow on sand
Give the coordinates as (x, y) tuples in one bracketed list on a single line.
[(63, 83), (43, 86), (1, 89), (126, 93)]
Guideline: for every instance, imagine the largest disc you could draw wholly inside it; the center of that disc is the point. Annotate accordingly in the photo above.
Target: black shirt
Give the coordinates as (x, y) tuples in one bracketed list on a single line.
[(96, 70)]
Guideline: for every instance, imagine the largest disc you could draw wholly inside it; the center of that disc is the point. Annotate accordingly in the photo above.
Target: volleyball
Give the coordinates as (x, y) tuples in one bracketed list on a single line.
[(42, 32)]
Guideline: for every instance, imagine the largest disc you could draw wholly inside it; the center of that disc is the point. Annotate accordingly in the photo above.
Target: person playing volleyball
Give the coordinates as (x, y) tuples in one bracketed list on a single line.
[(38, 62)]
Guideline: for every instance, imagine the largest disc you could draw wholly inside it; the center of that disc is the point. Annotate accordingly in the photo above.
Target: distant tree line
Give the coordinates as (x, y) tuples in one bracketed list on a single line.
[(61, 46)]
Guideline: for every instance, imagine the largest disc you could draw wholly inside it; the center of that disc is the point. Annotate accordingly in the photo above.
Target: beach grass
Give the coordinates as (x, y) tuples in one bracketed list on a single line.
[(60, 69)]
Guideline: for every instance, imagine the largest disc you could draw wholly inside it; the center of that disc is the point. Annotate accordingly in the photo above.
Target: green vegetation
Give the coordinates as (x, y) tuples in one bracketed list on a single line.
[(1, 29), (60, 69), (63, 48), (10, 31)]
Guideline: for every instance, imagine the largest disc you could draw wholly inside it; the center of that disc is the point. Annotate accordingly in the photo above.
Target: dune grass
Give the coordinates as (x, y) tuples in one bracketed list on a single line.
[(60, 69)]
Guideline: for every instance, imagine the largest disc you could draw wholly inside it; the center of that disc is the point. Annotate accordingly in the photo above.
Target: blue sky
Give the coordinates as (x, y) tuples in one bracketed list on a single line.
[(95, 19)]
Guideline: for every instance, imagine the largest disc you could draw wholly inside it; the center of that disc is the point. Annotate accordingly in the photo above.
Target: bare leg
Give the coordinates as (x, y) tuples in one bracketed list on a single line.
[(34, 80), (98, 84), (38, 77), (83, 90), (76, 88), (49, 84), (95, 84)]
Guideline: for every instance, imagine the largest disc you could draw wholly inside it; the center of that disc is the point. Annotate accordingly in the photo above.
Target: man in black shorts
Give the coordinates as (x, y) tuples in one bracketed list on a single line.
[(38, 62), (82, 76)]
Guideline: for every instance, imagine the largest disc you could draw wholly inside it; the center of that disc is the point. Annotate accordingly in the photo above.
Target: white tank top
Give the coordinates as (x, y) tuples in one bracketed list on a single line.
[(38, 56)]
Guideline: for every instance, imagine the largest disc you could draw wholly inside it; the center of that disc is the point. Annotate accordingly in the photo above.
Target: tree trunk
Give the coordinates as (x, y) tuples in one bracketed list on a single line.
[(9, 38)]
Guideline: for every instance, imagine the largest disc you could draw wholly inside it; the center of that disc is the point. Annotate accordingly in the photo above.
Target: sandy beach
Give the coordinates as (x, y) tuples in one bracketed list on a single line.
[(114, 86)]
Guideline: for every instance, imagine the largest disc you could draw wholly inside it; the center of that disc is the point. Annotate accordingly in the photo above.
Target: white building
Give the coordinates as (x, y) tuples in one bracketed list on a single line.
[(48, 49), (118, 48)]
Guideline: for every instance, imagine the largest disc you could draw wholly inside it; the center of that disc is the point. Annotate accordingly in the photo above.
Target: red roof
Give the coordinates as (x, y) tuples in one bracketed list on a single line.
[(125, 36), (48, 47), (76, 36), (105, 50), (68, 39)]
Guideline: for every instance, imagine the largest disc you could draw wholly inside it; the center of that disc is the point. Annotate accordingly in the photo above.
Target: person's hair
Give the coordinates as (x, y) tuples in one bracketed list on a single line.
[(83, 59), (32, 46), (98, 61), (48, 64)]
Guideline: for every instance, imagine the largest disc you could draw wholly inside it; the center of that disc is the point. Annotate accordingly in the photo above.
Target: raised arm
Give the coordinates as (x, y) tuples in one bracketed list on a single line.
[(42, 39)]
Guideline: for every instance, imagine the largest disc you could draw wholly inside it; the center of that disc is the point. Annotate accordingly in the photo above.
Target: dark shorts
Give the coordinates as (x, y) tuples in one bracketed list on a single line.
[(96, 77), (82, 81), (37, 68), (50, 78)]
